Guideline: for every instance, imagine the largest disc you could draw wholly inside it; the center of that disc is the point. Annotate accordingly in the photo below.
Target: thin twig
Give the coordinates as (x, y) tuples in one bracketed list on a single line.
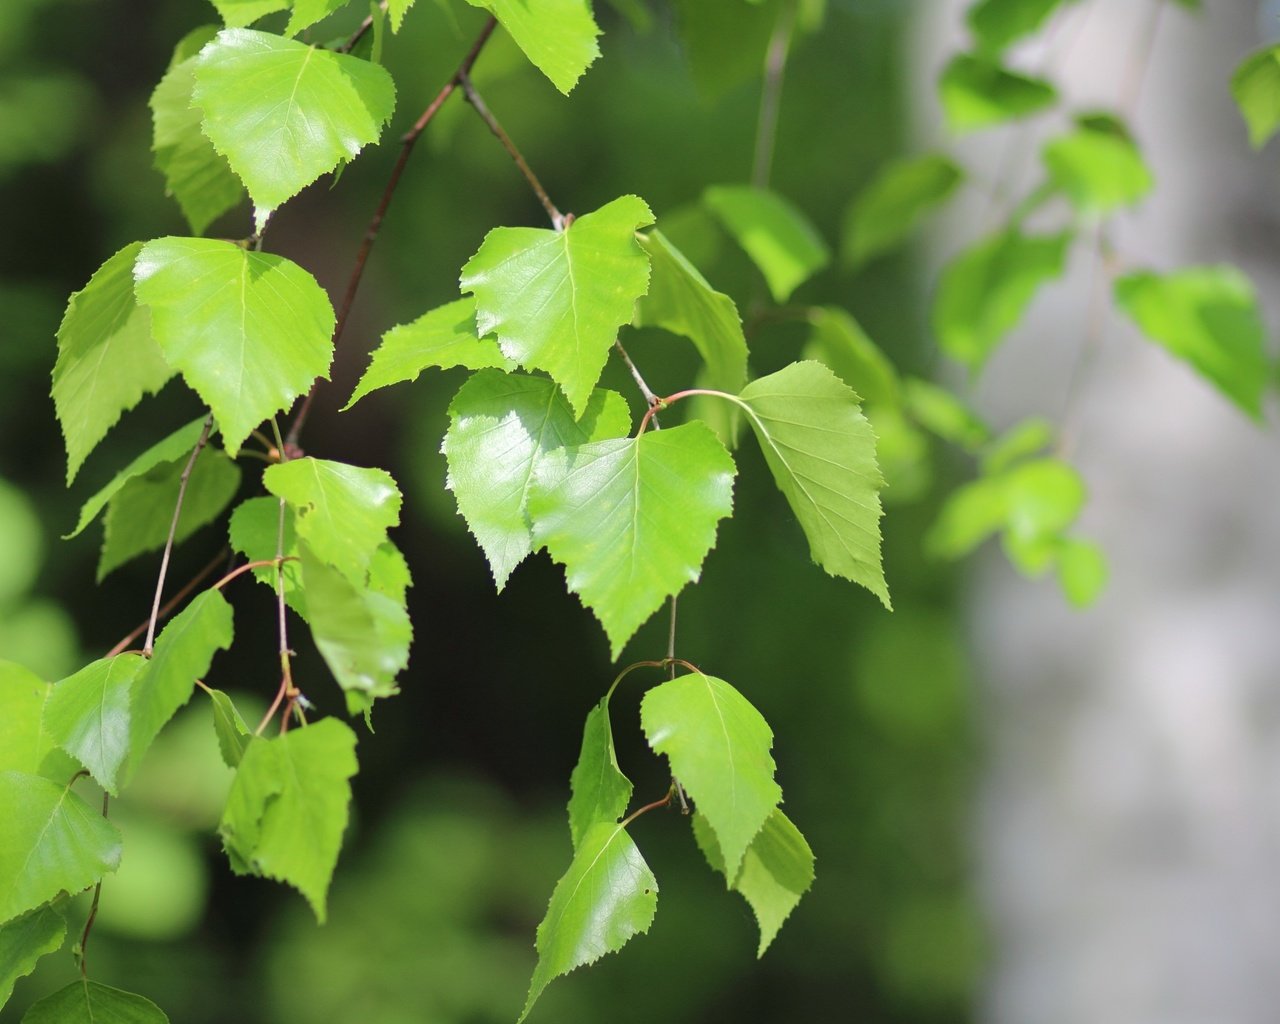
[(169, 605), (359, 33), (93, 908), (558, 220), (665, 801), (173, 530), (650, 399), (375, 224), (775, 68)]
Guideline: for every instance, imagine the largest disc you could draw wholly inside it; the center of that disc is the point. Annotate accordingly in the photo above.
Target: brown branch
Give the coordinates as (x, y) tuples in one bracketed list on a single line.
[(775, 67), (170, 604), (93, 908), (359, 33), (408, 141)]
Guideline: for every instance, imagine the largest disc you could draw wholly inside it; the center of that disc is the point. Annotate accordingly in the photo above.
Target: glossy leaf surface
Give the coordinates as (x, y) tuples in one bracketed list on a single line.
[(87, 715), (25, 745), (600, 791), (632, 519), (558, 36), (895, 202), (249, 331), (239, 13), (555, 299), (780, 240)]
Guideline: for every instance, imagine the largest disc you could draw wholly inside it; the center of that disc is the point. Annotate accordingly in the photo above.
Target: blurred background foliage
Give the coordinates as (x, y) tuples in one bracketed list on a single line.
[(458, 832)]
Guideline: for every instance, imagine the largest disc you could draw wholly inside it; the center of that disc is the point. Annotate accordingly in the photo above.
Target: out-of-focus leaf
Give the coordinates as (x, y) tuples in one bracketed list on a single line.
[(895, 202), (1082, 572), (944, 415), (997, 23), (1098, 166), (1023, 439), (839, 341), (782, 243), (976, 92), (1256, 85)]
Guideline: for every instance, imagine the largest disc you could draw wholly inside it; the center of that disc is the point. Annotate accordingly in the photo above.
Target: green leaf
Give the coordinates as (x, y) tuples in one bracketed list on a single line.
[(944, 415), (501, 428), (363, 635), (52, 842), (183, 654), (986, 289), (249, 331), (718, 746), (284, 113), (776, 870), (87, 1002), (976, 92), (254, 531), (1256, 86), (600, 791), (822, 453), (970, 515), (140, 514), (308, 12), (287, 808), (704, 27), (839, 341), (558, 36), (997, 23), (1098, 166), (894, 203), (25, 745), (194, 174), (87, 714), (106, 358), (444, 337), (632, 519), (239, 13), (1019, 441), (607, 896), (1082, 572), (681, 301), (25, 940), (176, 447), (780, 240), (1209, 317), (556, 299), (343, 512), (398, 9), (233, 735)]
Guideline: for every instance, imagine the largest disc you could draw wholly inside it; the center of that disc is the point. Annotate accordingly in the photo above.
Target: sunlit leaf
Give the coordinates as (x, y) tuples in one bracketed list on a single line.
[(284, 113), (25, 940), (822, 454), (976, 92), (607, 896), (556, 299), (287, 809), (444, 337), (1019, 441), (87, 715), (780, 240), (1209, 317), (1082, 572), (249, 331), (1256, 85), (233, 735), (254, 531), (501, 427), (106, 358), (718, 745), (600, 791), (558, 36), (632, 519), (239, 13), (87, 1002), (776, 870), (895, 202), (839, 341), (25, 745), (52, 842), (943, 414), (997, 23), (308, 12), (987, 288), (1098, 166), (397, 9)]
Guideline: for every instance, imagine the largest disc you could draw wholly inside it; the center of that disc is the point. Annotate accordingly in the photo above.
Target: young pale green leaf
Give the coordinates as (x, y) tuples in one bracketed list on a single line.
[(838, 340), (607, 896), (1098, 166), (718, 746), (894, 203), (397, 9), (52, 842), (1082, 571), (501, 427), (87, 715), (556, 299), (194, 174), (106, 358), (782, 243), (308, 12), (287, 808), (776, 870), (284, 113), (944, 415), (249, 331), (343, 512), (233, 735), (600, 791), (363, 635), (1023, 439), (1209, 317), (822, 453), (240, 13), (1256, 85), (87, 1002), (987, 288), (25, 745), (558, 36), (25, 940), (976, 92), (972, 513), (183, 654), (140, 513), (444, 337), (177, 446), (632, 519), (681, 301), (254, 531), (997, 23)]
